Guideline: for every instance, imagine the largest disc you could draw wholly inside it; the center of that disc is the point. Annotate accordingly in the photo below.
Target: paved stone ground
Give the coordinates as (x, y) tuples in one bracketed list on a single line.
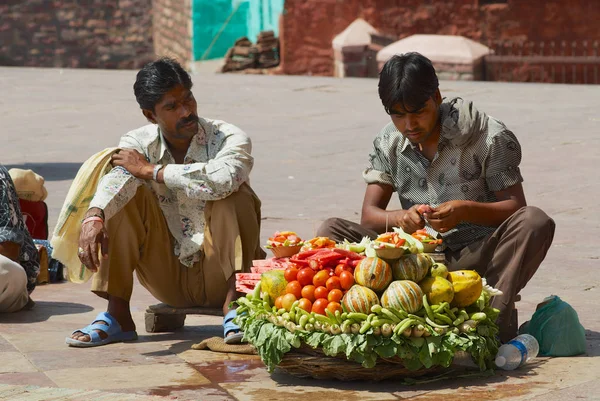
[(311, 137)]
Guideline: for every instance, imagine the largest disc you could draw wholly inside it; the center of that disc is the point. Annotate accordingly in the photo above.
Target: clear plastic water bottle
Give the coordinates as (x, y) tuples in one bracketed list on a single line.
[(517, 352)]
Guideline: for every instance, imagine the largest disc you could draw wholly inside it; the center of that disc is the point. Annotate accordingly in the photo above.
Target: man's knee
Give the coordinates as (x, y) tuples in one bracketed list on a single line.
[(536, 221), (13, 285), (329, 227), (12, 275), (243, 198)]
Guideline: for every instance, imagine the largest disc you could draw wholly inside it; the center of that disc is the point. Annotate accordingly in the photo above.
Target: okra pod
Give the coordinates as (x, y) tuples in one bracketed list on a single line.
[(256, 292), (321, 318), (388, 313), (434, 324), (418, 318), (338, 317), (404, 325), (331, 316), (357, 316), (366, 324), (427, 308), (478, 316), (376, 309), (303, 321), (401, 314), (443, 318), (380, 322)]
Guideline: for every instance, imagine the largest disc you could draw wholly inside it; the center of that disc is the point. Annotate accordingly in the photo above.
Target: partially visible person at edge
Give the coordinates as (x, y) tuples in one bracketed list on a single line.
[(464, 165), (175, 208), (19, 259)]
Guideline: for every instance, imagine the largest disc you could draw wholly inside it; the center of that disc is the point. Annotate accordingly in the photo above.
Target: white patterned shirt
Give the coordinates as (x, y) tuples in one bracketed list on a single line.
[(217, 162), (477, 156)]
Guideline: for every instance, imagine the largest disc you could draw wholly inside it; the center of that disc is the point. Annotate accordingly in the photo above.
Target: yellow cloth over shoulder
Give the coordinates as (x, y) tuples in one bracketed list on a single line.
[(65, 239)]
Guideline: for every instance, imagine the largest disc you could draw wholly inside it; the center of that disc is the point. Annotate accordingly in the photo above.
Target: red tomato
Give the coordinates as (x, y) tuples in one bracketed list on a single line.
[(342, 267), (278, 300), (333, 283), (320, 278), (294, 287), (305, 304), (346, 280), (319, 306), (333, 306), (305, 276), (335, 295), (290, 274), (321, 292), (287, 301), (308, 292)]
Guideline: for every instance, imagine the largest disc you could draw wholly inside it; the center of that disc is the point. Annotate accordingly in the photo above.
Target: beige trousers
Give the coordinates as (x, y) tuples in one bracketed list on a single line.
[(140, 241), (13, 286)]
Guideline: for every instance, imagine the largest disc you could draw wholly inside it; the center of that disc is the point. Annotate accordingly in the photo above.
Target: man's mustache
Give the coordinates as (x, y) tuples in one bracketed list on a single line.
[(191, 119)]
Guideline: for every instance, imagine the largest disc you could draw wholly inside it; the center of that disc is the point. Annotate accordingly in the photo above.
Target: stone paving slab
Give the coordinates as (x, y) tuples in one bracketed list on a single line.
[(311, 137)]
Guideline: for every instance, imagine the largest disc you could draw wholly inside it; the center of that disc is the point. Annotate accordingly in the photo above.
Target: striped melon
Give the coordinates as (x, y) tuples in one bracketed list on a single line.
[(359, 299), (413, 267), (403, 294), (374, 273)]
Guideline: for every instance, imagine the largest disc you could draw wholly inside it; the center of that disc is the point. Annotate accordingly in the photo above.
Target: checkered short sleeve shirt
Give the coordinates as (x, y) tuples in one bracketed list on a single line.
[(477, 156)]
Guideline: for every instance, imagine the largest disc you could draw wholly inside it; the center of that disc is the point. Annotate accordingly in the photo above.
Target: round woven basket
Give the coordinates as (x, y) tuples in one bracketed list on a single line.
[(308, 362)]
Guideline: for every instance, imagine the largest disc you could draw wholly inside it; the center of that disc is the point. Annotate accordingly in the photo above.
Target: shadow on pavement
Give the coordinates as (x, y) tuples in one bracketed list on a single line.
[(593, 343), (50, 171), (43, 310), (474, 384)]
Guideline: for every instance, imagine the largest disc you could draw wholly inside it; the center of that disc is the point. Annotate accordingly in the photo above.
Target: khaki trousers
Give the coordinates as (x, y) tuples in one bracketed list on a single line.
[(140, 241), (13, 286), (507, 258)]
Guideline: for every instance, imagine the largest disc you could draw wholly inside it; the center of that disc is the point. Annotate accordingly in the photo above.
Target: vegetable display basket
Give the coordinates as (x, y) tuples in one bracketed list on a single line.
[(311, 362)]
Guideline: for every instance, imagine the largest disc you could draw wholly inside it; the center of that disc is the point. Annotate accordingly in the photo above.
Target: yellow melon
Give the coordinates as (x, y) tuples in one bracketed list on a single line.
[(467, 287), (437, 289)]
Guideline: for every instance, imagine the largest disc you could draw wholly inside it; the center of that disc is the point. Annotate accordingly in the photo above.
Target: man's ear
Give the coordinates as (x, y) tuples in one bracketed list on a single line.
[(149, 115), (437, 97)]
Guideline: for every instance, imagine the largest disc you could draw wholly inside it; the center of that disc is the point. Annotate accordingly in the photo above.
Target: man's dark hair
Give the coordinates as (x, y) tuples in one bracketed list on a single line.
[(157, 78), (408, 80)]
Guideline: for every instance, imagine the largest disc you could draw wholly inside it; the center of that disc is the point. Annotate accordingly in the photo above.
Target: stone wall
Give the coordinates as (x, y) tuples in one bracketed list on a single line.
[(76, 33), (309, 26), (172, 20)]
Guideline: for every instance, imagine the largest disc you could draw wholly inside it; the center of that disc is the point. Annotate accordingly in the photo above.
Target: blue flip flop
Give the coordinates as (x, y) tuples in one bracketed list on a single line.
[(229, 326), (112, 328)]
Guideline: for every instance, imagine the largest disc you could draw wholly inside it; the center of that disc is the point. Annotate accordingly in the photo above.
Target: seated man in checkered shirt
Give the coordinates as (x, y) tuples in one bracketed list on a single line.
[(462, 167)]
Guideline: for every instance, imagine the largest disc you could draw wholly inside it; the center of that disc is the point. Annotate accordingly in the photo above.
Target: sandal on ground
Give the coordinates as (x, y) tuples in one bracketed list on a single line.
[(112, 328), (230, 327)]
